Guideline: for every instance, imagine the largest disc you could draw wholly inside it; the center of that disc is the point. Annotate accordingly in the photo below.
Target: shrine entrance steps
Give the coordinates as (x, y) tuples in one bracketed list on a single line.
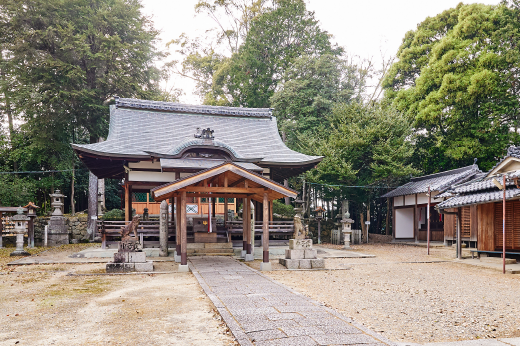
[(210, 249), (260, 311)]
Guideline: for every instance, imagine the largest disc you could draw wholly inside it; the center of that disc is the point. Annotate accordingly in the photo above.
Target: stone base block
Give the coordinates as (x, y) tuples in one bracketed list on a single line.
[(311, 253), (19, 253), (144, 267), (290, 263), (305, 264), (295, 254), (130, 257), (317, 263), (249, 257), (120, 267), (243, 253), (265, 266), (298, 244), (57, 239), (183, 268)]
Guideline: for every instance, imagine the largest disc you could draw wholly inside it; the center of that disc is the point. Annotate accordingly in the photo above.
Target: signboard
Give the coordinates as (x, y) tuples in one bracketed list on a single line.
[(367, 222)]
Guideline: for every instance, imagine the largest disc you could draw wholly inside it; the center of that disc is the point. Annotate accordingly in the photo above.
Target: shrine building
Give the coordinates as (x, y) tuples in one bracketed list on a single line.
[(209, 159)]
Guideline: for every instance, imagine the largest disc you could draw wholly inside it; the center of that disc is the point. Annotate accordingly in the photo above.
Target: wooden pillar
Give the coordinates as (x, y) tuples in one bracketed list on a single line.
[(178, 225), (415, 231), (246, 224), (226, 207), (393, 219), (128, 202), (184, 240), (459, 234), (265, 229), (388, 211), (271, 211)]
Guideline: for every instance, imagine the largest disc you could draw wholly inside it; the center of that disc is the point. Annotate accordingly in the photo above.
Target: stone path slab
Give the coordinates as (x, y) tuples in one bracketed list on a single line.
[(260, 311)]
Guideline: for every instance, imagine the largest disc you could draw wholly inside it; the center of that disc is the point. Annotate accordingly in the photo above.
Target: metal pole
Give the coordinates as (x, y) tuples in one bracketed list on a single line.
[(504, 227), (428, 216)]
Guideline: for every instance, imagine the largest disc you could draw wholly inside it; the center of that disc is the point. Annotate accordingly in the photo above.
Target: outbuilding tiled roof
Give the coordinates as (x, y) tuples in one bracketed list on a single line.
[(436, 182), (141, 129), (478, 198)]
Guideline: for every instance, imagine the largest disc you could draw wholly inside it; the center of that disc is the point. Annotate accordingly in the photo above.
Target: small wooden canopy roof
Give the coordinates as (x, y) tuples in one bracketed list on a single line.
[(226, 180)]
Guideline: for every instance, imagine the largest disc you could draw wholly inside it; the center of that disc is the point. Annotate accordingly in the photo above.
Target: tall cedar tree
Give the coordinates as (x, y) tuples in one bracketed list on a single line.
[(457, 78)]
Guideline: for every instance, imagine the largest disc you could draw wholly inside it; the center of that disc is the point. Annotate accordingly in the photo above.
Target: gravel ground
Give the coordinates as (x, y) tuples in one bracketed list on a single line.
[(415, 302), (45, 305)]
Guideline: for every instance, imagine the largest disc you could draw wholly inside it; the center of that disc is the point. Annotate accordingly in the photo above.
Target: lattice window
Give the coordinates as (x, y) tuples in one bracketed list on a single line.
[(512, 225), (138, 196), (192, 209), (466, 222)]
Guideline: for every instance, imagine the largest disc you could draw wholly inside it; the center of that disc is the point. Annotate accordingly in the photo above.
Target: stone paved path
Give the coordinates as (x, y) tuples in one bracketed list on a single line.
[(260, 311)]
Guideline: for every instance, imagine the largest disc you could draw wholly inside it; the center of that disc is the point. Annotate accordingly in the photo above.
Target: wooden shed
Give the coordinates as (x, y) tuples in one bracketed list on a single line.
[(479, 203)]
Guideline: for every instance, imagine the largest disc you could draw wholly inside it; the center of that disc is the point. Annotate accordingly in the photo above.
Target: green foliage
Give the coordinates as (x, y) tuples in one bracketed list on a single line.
[(313, 85), (365, 145), (114, 214), (276, 39), (15, 191), (457, 78), (280, 208)]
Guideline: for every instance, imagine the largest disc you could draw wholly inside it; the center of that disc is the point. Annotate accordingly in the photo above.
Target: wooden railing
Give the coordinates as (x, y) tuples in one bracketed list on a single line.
[(277, 229)]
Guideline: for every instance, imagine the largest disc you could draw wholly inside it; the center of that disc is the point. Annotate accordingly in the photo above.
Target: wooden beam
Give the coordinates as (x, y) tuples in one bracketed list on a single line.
[(239, 181), (217, 189), (225, 179)]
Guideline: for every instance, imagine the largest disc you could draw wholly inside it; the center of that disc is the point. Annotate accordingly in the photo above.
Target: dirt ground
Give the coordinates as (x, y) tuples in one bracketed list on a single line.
[(57, 305), (406, 298)]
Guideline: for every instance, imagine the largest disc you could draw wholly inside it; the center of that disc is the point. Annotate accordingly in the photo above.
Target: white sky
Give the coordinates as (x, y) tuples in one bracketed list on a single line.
[(363, 28)]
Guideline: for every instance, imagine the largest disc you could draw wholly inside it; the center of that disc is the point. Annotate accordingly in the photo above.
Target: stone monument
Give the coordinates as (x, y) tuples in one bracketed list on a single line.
[(129, 256), (20, 228), (300, 254), (58, 230)]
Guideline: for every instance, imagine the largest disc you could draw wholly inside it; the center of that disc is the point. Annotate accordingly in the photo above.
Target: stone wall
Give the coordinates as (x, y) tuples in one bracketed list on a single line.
[(77, 227)]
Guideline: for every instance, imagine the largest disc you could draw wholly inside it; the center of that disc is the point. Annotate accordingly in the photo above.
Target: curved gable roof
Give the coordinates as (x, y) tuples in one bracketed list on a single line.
[(149, 128)]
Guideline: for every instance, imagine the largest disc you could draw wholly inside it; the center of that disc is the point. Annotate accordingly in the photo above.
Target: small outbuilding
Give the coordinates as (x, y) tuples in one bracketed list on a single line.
[(410, 202), (482, 198)]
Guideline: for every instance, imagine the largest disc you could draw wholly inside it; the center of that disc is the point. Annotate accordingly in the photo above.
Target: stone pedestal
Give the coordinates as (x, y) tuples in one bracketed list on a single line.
[(129, 258), (301, 255), (58, 231), (205, 237), (19, 247)]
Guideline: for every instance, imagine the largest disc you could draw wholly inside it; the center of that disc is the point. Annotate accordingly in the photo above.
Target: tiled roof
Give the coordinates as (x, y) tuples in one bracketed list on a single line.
[(436, 182), (204, 164), (478, 198), (511, 151), (141, 129), (483, 183), (194, 109)]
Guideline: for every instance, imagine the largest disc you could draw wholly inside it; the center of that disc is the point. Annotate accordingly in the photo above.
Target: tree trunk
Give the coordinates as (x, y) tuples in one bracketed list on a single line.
[(72, 205), (92, 204), (101, 196)]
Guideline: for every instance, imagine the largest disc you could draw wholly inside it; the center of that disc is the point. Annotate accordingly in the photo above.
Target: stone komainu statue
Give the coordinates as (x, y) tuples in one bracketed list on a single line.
[(130, 228)]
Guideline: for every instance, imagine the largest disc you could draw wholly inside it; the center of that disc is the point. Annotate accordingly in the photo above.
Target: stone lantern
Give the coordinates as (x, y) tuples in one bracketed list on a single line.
[(346, 228), (58, 231), (20, 228), (57, 203)]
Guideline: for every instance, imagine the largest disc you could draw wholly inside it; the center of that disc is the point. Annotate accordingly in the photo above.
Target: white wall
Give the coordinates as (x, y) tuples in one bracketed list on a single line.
[(398, 201), (404, 223)]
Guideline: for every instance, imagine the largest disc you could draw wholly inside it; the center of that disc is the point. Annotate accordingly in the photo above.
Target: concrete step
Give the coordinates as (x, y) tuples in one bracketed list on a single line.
[(497, 260), (209, 246), (210, 251), (210, 254)]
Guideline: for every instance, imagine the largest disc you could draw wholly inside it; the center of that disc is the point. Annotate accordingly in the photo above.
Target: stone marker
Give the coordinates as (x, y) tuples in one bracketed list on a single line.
[(163, 229), (129, 256)]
